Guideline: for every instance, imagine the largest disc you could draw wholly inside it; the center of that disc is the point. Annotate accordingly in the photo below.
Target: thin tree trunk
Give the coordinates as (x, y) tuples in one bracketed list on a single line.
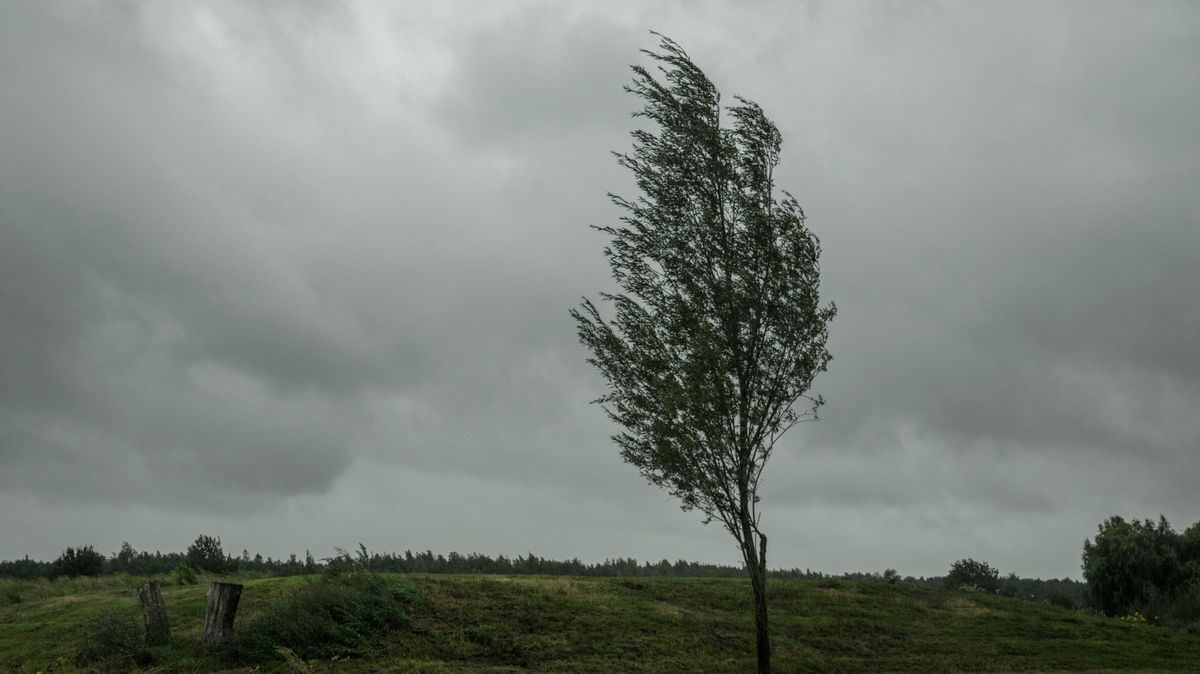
[(219, 613), (154, 613), (756, 566), (758, 581)]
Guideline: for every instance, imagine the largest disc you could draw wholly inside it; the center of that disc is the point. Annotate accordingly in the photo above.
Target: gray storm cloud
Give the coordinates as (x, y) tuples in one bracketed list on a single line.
[(308, 267)]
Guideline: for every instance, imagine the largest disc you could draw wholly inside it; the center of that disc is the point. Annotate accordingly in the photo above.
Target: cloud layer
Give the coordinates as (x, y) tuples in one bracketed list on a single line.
[(299, 276)]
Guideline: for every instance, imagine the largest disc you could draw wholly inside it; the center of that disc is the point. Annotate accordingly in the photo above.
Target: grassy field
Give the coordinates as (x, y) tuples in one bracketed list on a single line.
[(561, 624)]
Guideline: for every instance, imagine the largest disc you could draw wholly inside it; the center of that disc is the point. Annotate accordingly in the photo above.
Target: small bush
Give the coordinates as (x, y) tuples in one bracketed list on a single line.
[(1061, 601), (113, 640), (183, 574), (891, 576), (1184, 610), (968, 574), (483, 635), (333, 616)]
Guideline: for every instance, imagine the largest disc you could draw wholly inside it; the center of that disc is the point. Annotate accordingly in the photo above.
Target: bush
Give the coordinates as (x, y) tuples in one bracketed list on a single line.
[(183, 574), (483, 635), (973, 575), (336, 615), (1061, 601), (1183, 612), (75, 562), (113, 640)]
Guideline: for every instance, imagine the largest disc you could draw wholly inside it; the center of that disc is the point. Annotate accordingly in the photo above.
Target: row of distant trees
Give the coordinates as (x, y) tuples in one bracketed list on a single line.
[(206, 554)]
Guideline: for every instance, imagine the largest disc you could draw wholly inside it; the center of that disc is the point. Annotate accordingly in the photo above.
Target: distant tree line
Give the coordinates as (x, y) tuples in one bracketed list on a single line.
[(205, 554)]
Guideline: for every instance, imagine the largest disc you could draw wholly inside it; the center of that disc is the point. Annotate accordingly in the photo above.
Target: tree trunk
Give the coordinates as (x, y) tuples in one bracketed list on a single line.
[(756, 566), (758, 581), (219, 614), (154, 613)]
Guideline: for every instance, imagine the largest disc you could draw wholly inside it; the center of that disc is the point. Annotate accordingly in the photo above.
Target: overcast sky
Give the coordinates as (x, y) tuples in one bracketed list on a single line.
[(297, 275)]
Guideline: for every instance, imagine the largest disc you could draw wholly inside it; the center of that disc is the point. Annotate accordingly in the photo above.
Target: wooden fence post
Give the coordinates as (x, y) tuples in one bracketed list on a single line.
[(154, 614), (219, 613)]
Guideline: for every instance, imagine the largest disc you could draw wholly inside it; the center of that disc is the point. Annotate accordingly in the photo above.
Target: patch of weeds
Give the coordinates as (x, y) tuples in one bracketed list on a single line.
[(114, 641), (13, 595), (334, 616), (483, 635), (183, 574), (496, 645)]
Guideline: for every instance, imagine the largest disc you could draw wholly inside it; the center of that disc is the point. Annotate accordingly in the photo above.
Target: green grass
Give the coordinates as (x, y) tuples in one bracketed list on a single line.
[(559, 624)]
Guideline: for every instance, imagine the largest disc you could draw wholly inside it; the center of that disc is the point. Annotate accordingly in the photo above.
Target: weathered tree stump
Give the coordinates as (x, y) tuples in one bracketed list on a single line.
[(219, 614), (154, 612)]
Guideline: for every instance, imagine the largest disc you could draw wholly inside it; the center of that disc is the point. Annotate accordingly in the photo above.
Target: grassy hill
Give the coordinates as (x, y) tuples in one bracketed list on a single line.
[(564, 624)]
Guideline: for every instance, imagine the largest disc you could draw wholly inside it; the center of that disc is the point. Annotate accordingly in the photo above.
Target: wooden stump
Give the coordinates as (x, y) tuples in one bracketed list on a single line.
[(219, 614), (154, 612)]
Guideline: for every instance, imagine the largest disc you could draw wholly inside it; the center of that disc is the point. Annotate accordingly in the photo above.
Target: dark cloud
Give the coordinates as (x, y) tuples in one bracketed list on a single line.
[(312, 266)]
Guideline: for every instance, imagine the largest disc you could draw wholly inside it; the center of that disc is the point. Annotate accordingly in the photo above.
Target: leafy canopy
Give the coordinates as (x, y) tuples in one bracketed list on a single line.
[(719, 330)]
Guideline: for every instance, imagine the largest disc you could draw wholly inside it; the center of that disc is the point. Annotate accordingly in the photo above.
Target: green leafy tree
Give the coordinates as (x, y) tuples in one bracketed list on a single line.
[(973, 574), (1132, 565), (75, 562), (123, 560), (206, 554), (719, 330)]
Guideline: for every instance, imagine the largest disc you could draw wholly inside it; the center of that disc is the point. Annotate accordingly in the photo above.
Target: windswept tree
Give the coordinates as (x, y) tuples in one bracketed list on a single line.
[(710, 349)]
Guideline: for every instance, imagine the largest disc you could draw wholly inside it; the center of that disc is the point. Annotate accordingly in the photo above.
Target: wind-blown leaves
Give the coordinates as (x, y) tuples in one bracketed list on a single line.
[(718, 331)]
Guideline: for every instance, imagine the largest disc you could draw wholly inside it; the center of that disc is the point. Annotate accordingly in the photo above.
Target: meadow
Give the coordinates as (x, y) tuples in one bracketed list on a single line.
[(494, 623)]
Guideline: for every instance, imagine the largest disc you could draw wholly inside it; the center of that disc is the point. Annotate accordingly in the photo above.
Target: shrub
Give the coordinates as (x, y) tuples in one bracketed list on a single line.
[(113, 640), (891, 576), (484, 635), (973, 575), (183, 574), (336, 615), (1061, 601), (1183, 612)]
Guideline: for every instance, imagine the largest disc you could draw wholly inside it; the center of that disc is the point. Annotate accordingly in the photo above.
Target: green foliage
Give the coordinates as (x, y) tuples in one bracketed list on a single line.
[(1132, 566), (337, 615), (968, 574), (113, 640), (206, 554), (719, 330), (183, 574), (75, 562), (123, 561), (1183, 612), (1061, 601), (484, 635)]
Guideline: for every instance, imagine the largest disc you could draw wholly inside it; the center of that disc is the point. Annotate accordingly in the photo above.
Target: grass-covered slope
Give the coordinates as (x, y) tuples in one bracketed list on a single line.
[(559, 624)]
